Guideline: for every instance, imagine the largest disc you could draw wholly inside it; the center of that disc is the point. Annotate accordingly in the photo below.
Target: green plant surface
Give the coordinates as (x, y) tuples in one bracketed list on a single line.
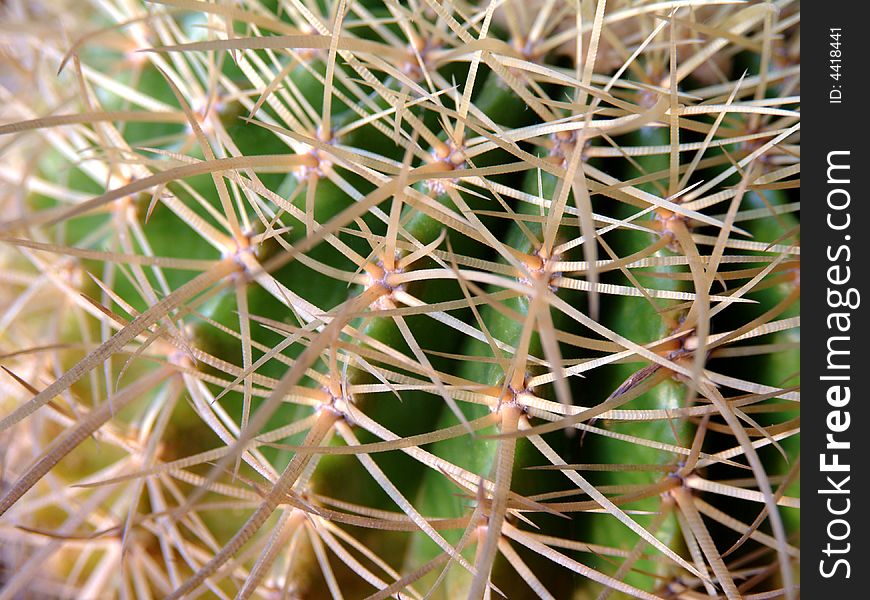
[(645, 319), (370, 299)]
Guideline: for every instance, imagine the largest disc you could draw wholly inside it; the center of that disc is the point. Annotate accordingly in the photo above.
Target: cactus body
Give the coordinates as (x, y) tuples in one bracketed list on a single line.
[(375, 299)]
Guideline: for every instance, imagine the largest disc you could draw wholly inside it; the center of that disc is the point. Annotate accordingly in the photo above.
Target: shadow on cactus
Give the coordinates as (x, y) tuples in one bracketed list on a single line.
[(368, 299)]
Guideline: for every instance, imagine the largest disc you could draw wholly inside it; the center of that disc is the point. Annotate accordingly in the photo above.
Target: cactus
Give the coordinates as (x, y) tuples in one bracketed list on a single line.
[(369, 299)]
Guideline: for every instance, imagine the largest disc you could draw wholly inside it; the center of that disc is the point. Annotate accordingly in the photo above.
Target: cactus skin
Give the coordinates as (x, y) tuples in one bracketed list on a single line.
[(253, 291), (641, 321)]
